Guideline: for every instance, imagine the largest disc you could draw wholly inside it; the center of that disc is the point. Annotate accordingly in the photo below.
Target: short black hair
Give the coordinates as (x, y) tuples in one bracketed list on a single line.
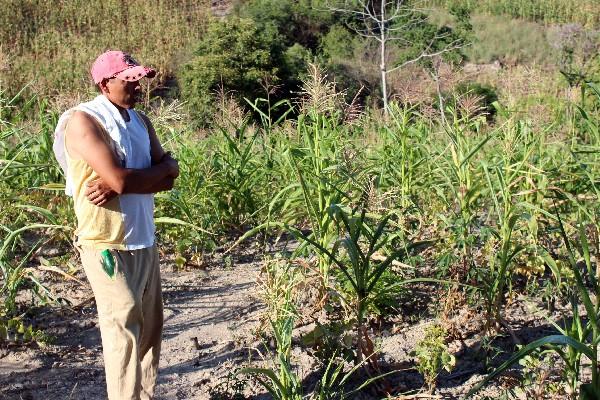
[(98, 85)]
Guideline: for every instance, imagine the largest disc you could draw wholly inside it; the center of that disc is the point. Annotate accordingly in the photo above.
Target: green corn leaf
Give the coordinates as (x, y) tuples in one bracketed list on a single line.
[(525, 350), (177, 221)]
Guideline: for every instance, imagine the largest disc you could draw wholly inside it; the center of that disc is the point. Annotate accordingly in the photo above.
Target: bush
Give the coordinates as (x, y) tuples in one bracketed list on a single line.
[(298, 21), (338, 43), (340, 53), (509, 41), (235, 55)]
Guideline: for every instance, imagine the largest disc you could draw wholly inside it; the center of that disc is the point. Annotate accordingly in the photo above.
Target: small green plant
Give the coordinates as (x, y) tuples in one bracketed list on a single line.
[(331, 340), (15, 331), (231, 388), (431, 354), (279, 292), (536, 372), (16, 274)]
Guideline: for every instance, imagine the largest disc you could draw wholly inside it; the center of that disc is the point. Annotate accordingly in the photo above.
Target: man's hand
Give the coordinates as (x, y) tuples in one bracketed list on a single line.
[(172, 163), (98, 192)]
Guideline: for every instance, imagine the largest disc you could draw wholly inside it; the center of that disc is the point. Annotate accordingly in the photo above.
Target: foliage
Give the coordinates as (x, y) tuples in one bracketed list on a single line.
[(431, 354), (357, 192), (27, 166), (578, 55), (235, 55), (300, 22), (338, 44), (578, 337)]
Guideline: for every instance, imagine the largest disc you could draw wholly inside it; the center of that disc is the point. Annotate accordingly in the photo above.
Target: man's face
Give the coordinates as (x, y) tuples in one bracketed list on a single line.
[(122, 93)]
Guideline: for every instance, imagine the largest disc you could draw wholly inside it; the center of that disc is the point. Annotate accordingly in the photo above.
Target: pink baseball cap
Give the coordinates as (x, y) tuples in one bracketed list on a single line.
[(114, 63)]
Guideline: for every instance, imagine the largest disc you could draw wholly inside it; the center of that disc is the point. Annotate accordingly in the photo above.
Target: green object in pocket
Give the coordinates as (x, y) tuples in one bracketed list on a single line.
[(108, 263)]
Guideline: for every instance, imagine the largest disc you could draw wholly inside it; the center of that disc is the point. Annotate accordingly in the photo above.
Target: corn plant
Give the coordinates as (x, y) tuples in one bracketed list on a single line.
[(548, 11), (332, 385), (579, 337), (239, 178), (400, 154), (356, 263), (317, 166), (464, 181), (504, 180), (281, 382), (15, 273)]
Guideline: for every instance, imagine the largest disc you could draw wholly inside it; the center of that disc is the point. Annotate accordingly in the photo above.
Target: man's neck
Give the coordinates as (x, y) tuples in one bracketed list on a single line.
[(123, 111)]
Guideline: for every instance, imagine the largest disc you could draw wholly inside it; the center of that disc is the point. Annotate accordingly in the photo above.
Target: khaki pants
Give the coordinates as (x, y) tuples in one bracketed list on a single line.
[(130, 312)]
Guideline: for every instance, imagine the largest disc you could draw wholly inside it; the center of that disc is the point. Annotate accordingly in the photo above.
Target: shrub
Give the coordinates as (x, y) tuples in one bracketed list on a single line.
[(508, 41), (235, 55), (338, 43), (298, 21)]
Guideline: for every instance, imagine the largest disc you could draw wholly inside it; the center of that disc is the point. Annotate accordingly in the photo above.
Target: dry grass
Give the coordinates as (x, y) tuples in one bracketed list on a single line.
[(50, 44), (584, 12)]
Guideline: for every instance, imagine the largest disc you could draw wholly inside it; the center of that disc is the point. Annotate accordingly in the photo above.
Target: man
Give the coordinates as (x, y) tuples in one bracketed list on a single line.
[(113, 163)]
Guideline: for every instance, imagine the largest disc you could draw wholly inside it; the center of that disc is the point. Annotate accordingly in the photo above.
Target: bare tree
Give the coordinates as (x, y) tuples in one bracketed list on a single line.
[(389, 21)]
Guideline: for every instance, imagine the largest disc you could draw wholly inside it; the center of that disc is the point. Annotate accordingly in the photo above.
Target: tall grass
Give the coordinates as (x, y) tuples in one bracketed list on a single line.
[(585, 12), (51, 44)]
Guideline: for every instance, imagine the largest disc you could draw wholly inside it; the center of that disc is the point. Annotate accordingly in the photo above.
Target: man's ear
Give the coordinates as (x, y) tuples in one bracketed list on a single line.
[(103, 86)]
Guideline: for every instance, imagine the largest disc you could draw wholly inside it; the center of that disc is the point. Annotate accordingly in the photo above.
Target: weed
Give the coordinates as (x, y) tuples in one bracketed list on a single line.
[(431, 354)]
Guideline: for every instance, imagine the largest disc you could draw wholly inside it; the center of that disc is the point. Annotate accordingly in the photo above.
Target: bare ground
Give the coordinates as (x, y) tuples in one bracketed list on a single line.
[(212, 325)]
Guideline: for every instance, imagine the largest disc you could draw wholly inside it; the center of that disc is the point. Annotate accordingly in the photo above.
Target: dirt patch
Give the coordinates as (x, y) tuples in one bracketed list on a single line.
[(212, 319)]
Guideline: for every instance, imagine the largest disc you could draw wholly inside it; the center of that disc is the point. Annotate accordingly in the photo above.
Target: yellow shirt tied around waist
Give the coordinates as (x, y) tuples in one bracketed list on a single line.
[(127, 221)]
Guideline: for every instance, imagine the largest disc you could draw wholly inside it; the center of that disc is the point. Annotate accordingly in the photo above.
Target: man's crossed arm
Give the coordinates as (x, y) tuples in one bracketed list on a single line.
[(85, 141)]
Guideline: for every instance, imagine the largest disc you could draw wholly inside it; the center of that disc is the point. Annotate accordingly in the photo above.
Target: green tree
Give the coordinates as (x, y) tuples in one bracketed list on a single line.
[(298, 21), (236, 55)]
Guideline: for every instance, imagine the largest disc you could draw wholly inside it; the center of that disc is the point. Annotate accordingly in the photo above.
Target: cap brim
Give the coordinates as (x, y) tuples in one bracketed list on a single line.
[(136, 73)]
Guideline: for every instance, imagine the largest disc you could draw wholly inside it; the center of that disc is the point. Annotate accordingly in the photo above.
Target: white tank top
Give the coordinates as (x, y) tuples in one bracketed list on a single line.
[(135, 229)]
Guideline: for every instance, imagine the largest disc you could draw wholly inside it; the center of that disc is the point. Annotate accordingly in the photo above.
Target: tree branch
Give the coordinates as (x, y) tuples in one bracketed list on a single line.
[(457, 44)]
